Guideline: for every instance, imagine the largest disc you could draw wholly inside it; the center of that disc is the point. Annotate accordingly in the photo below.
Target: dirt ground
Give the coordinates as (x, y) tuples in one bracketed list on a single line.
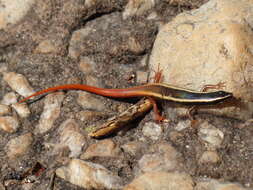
[(113, 68)]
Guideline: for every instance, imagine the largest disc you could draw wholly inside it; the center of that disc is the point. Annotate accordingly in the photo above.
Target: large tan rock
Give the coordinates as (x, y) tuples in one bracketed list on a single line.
[(210, 45)]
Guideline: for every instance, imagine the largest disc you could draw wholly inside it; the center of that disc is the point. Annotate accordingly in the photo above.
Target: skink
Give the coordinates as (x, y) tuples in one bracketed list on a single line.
[(155, 90)]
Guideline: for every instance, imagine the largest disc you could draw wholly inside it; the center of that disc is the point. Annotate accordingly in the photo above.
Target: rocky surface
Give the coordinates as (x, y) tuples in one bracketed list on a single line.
[(118, 44)]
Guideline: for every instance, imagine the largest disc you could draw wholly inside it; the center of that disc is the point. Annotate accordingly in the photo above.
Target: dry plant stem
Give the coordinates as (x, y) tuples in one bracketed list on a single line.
[(114, 124)]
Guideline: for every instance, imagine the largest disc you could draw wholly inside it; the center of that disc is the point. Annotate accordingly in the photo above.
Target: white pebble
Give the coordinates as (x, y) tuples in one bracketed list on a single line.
[(209, 157), (103, 148), (89, 175), (13, 11), (9, 124), (163, 158), (9, 98), (212, 184), (4, 109), (161, 180), (18, 83), (183, 125), (18, 146), (137, 7), (152, 130), (50, 112), (211, 135), (22, 110), (71, 136)]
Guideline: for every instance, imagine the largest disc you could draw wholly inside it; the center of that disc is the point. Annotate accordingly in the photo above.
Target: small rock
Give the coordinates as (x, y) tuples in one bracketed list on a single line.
[(209, 157), (144, 61), (9, 124), (134, 45), (92, 81), (175, 135), (212, 184), (75, 47), (3, 68), (164, 158), (152, 130), (210, 135), (2, 187), (141, 77), (22, 110), (90, 3), (153, 16), (89, 175), (46, 46), (137, 7), (18, 83), (132, 147), (9, 98), (12, 12), (181, 125), (86, 65), (161, 180), (19, 146), (103, 148), (71, 136), (90, 101), (4, 109), (88, 115), (51, 111)]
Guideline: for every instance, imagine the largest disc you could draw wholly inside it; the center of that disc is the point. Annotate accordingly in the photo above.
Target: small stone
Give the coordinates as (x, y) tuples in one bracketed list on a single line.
[(103, 148), (9, 124), (161, 180), (71, 136), (181, 125), (90, 101), (152, 130), (164, 158), (141, 77), (12, 12), (2, 187), (153, 16), (51, 111), (89, 175), (75, 47), (19, 146), (144, 61), (175, 135), (92, 81), (211, 135), (86, 65), (134, 46), (9, 98), (46, 46), (90, 3), (4, 109), (137, 7), (18, 83), (209, 157), (3, 69), (212, 184), (132, 147), (88, 115), (22, 110)]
